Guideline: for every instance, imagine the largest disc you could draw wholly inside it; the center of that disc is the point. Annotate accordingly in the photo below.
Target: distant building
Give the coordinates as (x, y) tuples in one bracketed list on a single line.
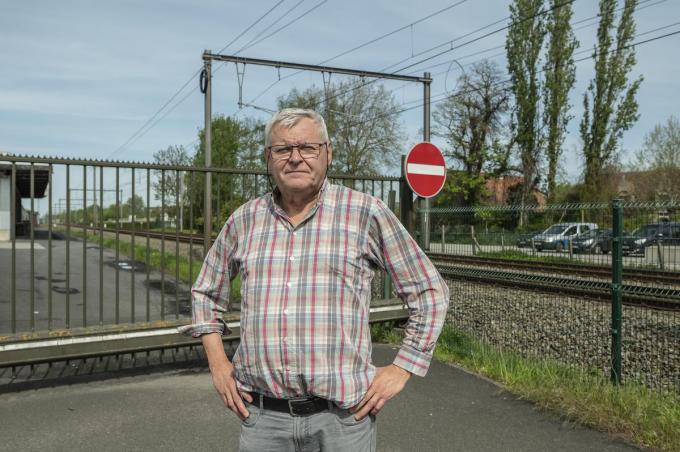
[(22, 189), (500, 188)]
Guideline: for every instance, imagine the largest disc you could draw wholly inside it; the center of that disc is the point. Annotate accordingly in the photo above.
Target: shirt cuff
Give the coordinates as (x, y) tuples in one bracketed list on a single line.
[(199, 329), (413, 360)]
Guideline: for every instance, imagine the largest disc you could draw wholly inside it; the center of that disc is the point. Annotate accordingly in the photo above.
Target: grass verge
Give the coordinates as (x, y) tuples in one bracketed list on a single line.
[(631, 411), (156, 260), (521, 256)]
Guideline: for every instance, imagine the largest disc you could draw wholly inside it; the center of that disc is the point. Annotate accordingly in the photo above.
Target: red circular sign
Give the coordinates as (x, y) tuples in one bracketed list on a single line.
[(425, 170)]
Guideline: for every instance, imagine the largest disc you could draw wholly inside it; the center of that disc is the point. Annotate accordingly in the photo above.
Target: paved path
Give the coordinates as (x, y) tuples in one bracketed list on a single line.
[(449, 410)]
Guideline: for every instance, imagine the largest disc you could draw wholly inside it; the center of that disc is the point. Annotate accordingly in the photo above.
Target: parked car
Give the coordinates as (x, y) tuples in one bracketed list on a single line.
[(524, 240), (557, 236), (598, 241), (650, 234)]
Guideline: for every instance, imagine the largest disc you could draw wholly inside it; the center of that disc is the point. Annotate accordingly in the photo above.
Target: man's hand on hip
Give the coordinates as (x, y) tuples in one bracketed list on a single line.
[(225, 384), (388, 382)]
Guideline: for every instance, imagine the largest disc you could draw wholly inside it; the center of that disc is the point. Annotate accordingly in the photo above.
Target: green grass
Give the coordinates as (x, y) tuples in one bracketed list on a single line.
[(385, 332), (641, 416), (168, 261), (522, 256)]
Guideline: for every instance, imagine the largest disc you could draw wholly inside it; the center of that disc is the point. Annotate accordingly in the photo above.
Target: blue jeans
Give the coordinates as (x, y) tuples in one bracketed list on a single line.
[(332, 430)]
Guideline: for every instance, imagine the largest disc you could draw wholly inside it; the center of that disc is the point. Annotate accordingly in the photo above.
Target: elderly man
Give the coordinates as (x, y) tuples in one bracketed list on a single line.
[(302, 377)]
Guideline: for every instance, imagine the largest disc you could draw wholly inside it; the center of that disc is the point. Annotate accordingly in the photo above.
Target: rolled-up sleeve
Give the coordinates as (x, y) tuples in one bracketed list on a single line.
[(210, 292), (418, 284)]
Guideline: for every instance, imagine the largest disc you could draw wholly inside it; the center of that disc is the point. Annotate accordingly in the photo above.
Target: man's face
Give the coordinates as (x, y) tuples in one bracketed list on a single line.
[(298, 174)]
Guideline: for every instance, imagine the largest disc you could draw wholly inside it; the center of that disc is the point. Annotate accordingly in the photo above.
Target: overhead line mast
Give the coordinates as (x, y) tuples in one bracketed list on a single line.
[(205, 85)]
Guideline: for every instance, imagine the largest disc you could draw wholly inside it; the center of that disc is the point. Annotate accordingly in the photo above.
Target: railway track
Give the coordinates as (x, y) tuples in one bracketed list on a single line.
[(541, 276), (597, 271), (196, 239), (643, 296)]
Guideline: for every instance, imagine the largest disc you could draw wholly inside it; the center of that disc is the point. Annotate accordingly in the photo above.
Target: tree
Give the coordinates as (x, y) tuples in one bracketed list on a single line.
[(523, 47), (560, 74), (471, 122), (134, 206), (166, 181), (362, 123), (660, 159), (609, 103), (236, 143)]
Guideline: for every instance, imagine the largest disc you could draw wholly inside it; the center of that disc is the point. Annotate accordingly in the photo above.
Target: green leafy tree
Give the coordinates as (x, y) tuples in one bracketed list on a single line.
[(236, 143), (134, 205), (362, 123), (609, 103), (523, 47), (559, 76), (471, 122)]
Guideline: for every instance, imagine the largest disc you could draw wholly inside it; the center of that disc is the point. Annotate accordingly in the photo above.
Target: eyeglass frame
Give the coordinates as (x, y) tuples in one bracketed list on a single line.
[(295, 146)]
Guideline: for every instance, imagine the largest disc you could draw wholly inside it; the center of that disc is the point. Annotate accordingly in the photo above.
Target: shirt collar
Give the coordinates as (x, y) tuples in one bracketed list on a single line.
[(274, 197)]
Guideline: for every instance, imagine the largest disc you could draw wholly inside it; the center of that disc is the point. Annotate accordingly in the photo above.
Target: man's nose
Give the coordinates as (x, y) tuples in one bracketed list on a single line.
[(295, 156)]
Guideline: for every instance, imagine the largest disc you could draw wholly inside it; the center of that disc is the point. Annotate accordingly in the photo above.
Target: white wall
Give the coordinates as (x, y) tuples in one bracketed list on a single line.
[(5, 206)]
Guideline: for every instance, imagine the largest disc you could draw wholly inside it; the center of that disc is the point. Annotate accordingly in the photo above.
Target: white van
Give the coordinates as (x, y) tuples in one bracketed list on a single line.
[(557, 236)]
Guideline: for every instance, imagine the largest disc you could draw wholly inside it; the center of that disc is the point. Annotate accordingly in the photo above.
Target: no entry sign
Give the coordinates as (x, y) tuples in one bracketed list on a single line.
[(425, 170)]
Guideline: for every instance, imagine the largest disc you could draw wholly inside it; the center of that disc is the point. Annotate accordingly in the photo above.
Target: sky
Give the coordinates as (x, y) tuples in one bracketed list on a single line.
[(96, 79)]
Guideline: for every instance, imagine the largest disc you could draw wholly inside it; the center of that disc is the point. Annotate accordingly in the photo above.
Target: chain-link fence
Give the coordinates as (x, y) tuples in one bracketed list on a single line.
[(538, 280)]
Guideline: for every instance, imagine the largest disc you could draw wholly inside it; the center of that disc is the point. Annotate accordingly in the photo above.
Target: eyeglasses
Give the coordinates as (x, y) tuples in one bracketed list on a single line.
[(306, 150)]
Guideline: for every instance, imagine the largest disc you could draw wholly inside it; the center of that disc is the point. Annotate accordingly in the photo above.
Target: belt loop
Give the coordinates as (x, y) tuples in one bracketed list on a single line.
[(260, 396)]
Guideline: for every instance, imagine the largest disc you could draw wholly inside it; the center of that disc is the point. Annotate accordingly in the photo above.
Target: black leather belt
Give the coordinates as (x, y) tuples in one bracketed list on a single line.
[(295, 407)]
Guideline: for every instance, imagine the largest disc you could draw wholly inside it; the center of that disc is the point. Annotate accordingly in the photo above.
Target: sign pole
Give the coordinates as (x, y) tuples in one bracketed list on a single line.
[(425, 217)]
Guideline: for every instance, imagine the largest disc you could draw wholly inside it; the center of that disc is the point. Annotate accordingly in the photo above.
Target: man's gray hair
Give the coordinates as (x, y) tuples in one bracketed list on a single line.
[(288, 117)]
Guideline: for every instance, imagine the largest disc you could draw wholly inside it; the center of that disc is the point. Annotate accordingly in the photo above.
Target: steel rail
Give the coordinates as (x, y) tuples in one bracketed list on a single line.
[(643, 296), (643, 275)]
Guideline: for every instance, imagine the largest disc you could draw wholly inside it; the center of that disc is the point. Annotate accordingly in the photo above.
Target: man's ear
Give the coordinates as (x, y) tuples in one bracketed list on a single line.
[(329, 155)]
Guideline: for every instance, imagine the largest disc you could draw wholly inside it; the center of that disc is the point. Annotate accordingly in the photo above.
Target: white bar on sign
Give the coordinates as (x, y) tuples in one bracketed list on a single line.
[(430, 170)]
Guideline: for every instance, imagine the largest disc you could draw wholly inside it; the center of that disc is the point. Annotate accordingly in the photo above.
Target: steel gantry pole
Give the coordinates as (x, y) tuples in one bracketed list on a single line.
[(206, 88), (406, 195), (425, 217)]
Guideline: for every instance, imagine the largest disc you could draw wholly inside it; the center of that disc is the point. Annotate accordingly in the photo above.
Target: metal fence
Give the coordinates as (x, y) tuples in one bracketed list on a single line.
[(99, 246), (539, 281)]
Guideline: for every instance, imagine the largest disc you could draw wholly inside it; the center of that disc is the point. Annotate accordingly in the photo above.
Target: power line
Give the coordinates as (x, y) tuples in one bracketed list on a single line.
[(508, 80), (479, 38), (189, 93), (371, 41), (498, 47), (447, 62), (138, 133)]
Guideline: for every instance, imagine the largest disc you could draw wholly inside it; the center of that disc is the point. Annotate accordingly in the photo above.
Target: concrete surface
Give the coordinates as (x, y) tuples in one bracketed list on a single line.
[(84, 263), (177, 409)]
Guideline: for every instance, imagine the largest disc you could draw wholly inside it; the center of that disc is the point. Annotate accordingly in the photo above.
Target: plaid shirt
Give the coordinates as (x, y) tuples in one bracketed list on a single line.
[(305, 294)]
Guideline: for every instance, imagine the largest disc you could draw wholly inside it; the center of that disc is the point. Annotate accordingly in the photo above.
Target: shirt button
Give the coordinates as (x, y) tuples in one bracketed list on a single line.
[(285, 311), (288, 284), (292, 258), (285, 340)]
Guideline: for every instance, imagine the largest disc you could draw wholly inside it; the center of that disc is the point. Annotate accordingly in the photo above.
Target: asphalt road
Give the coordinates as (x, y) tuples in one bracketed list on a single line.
[(109, 297), (449, 410)]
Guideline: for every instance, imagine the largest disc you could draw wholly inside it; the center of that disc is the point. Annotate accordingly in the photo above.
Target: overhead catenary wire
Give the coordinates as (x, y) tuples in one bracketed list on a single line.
[(138, 133), (502, 46), (362, 45), (542, 12), (151, 123), (364, 83), (444, 96)]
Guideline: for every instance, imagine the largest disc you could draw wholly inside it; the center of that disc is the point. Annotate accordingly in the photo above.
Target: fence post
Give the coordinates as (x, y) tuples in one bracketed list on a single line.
[(387, 280), (405, 200), (617, 271), (659, 253)]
